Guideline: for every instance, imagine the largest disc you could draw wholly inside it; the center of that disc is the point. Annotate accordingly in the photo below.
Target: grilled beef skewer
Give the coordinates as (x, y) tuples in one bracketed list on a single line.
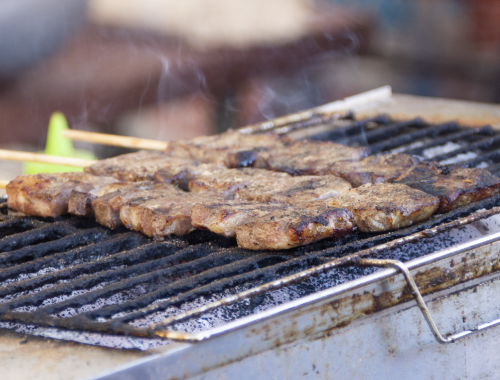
[(386, 206), (142, 166), (293, 227), (107, 207), (303, 157), (219, 148), (269, 187), (80, 200), (165, 213), (455, 187), (223, 217), (48, 194)]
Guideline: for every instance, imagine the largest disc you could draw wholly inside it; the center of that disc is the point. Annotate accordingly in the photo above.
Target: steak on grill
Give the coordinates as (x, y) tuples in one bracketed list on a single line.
[(80, 200), (228, 181), (455, 187), (297, 157), (218, 148), (294, 226), (223, 217), (163, 212), (275, 188), (107, 207), (373, 169), (48, 194), (138, 166), (386, 206)]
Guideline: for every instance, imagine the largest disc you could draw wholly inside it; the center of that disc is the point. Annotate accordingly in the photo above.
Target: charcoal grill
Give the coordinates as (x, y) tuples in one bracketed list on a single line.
[(72, 279)]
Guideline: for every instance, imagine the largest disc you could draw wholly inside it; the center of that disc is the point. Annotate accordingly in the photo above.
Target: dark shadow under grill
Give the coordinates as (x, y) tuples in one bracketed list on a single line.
[(68, 273)]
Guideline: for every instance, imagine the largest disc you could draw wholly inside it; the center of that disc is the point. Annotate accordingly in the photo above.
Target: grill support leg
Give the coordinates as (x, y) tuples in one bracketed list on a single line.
[(398, 265)]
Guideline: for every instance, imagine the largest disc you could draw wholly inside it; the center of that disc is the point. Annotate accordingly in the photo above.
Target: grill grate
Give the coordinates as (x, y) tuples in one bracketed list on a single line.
[(73, 274)]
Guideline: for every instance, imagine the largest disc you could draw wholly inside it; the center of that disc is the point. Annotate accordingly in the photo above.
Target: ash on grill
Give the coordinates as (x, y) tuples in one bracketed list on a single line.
[(71, 274)]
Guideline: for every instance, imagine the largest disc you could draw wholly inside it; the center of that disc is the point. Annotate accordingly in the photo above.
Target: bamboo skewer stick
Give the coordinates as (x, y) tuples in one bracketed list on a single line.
[(14, 155), (3, 183), (336, 109), (284, 124), (115, 140)]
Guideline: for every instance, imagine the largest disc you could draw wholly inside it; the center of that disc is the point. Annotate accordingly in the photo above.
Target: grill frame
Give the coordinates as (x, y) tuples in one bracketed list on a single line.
[(317, 334), (354, 134)]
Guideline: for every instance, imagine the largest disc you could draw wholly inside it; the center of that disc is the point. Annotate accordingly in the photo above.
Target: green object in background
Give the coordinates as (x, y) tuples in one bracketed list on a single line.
[(57, 145)]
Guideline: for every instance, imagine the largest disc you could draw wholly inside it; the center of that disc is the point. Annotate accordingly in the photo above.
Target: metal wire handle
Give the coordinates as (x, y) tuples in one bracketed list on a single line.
[(396, 264)]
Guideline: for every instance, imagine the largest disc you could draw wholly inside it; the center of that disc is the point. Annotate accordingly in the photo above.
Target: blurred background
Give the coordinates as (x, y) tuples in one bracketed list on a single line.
[(166, 69)]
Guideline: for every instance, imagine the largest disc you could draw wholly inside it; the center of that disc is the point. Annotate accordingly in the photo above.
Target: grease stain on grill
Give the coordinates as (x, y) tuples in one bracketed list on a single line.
[(73, 274)]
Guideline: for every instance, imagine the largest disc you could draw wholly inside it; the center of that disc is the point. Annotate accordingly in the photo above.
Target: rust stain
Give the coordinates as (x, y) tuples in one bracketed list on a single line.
[(325, 319)]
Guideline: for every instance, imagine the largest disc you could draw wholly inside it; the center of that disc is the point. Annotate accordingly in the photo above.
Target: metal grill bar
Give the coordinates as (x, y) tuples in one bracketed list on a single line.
[(484, 144), (352, 258), (486, 130), (412, 136), (12, 226), (60, 260), (490, 156), (181, 270), (381, 134), (353, 129), (45, 233), (77, 239)]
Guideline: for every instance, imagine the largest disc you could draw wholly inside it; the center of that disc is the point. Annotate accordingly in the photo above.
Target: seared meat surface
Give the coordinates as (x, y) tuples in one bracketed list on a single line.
[(228, 181), (294, 190), (297, 157), (107, 206), (48, 194), (386, 206), (454, 187), (267, 186), (138, 166), (80, 200), (293, 227), (181, 175), (268, 191), (217, 148), (373, 169), (223, 217), (162, 214)]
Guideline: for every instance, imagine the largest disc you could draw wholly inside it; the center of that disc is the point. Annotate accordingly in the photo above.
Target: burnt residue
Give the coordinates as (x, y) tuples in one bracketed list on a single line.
[(45, 233), (11, 225), (177, 274), (98, 263)]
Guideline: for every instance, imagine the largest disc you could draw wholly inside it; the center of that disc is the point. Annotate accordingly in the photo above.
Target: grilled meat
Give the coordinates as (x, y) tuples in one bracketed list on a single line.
[(217, 148), (80, 200), (386, 206), (180, 175), (454, 187), (107, 207), (292, 227), (48, 194), (228, 181), (373, 169), (294, 190), (223, 217), (297, 157), (266, 186), (138, 166), (162, 214)]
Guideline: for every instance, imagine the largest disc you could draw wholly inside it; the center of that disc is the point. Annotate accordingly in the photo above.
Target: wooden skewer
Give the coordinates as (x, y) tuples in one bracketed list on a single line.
[(328, 111), (3, 183), (114, 140), (14, 155), (340, 107)]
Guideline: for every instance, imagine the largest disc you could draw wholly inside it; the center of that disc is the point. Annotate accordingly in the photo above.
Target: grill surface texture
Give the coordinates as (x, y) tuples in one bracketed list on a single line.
[(72, 274)]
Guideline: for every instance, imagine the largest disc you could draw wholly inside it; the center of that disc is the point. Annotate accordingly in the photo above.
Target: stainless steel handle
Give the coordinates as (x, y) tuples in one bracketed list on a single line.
[(396, 264)]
